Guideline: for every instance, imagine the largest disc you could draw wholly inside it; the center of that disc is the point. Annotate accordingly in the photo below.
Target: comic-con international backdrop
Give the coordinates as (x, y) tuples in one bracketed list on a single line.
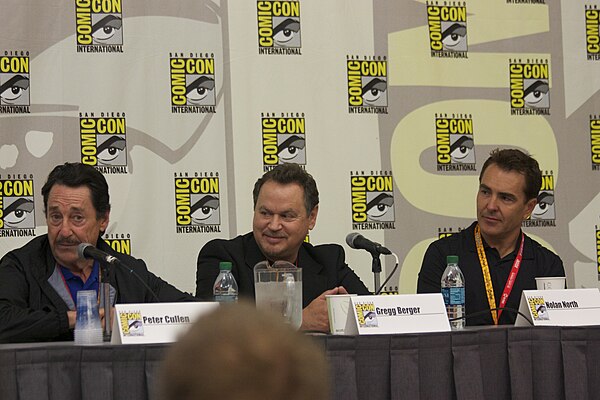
[(392, 105)]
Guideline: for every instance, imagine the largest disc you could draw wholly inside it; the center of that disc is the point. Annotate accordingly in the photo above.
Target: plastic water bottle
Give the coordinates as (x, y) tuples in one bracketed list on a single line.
[(453, 290), (225, 288)]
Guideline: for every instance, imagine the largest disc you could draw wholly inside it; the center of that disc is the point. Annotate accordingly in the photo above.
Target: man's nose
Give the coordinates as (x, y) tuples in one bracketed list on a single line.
[(275, 222)]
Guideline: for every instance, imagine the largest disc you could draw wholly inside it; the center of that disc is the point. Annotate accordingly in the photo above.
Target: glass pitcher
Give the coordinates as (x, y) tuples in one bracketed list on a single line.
[(278, 289)]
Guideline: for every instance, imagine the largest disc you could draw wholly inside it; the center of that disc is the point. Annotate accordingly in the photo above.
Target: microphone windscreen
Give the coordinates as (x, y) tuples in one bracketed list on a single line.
[(351, 237), (81, 249)]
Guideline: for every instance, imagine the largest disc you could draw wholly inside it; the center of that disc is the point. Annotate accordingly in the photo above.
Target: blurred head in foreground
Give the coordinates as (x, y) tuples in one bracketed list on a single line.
[(237, 352)]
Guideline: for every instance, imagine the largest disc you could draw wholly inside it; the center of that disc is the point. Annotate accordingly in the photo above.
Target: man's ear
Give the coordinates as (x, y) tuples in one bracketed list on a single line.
[(312, 217)]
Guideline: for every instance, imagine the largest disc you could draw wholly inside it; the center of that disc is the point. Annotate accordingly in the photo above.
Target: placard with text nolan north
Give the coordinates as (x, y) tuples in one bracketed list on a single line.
[(565, 307), (155, 322), (405, 313)]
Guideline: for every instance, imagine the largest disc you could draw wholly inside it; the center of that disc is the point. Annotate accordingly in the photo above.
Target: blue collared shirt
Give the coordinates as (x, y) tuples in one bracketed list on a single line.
[(75, 283)]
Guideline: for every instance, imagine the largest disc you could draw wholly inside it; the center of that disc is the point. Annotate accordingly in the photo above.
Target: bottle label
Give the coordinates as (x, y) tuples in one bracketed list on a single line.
[(454, 296), (226, 298)]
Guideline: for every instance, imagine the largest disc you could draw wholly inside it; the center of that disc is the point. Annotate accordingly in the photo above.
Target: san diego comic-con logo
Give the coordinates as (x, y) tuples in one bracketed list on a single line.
[(131, 323), (197, 202), (372, 200), (592, 34), (366, 315), (598, 250), (529, 87), (14, 82), (544, 212), (367, 84), (454, 144), (103, 141), (446, 232), (447, 29), (17, 206), (99, 26), (192, 83), (595, 141), (283, 139), (119, 242), (279, 27), (538, 307)]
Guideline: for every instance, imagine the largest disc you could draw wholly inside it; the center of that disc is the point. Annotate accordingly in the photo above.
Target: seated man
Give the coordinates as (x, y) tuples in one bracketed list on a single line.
[(39, 282), (286, 202), (493, 252)]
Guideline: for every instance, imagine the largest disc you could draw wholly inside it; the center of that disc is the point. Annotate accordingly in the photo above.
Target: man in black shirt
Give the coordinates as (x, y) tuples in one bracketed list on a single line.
[(494, 249)]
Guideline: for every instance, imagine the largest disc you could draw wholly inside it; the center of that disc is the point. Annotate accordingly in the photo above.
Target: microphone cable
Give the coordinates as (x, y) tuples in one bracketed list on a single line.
[(475, 314), (389, 276)]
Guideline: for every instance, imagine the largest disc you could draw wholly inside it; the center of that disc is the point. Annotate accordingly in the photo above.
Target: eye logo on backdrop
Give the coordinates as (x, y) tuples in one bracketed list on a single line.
[(595, 141), (283, 139), (99, 26), (279, 27), (455, 147), (197, 203), (372, 200), (544, 212), (103, 141), (17, 206), (119, 242), (592, 34), (14, 82), (367, 85), (193, 83), (447, 29), (529, 87)]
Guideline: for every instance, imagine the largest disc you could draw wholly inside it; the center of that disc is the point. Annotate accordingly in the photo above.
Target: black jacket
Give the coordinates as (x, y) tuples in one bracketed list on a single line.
[(31, 310), (323, 268)]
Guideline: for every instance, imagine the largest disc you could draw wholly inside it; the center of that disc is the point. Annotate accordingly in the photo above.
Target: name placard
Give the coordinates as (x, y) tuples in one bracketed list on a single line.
[(403, 313), (155, 322), (566, 307)]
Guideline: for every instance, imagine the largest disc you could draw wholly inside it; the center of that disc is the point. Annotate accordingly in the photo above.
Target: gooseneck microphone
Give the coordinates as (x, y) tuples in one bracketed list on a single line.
[(87, 250), (358, 241)]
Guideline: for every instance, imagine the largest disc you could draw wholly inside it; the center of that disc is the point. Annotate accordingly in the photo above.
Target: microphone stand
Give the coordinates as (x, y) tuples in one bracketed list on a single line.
[(105, 287), (376, 268)]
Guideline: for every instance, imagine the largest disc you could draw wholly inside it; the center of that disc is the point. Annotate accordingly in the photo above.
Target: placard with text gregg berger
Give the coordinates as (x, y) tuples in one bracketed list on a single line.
[(408, 313), (155, 322), (565, 307)]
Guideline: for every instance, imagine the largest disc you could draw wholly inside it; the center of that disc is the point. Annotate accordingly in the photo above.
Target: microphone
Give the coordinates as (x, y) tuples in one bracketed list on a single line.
[(358, 241), (87, 250)]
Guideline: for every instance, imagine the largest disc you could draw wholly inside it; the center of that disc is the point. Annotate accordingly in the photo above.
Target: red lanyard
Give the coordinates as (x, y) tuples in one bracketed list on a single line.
[(489, 289)]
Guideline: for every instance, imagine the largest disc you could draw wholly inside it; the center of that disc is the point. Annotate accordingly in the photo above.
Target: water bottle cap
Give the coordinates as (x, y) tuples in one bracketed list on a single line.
[(451, 259), (225, 266)]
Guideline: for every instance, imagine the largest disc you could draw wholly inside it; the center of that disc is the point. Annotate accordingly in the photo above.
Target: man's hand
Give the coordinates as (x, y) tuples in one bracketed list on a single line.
[(102, 319), (315, 316), (72, 316)]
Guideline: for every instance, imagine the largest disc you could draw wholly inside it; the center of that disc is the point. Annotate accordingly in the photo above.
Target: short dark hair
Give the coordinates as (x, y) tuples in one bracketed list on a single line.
[(291, 173), (516, 160), (75, 175)]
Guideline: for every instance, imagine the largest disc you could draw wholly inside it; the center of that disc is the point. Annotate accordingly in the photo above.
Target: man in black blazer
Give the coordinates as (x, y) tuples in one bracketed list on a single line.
[(286, 203)]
